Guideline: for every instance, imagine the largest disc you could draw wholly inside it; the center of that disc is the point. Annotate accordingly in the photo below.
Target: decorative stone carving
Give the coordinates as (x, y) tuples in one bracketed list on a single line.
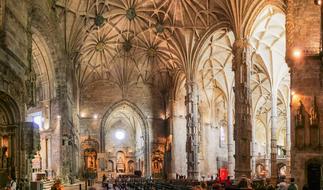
[(100, 46), (314, 124), (151, 52), (192, 146), (314, 114), (159, 27), (242, 129), (99, 20), (300, 116), (31, 89), (300, 126), (290, 27), (127, 46), (131, 13), (3, 119)]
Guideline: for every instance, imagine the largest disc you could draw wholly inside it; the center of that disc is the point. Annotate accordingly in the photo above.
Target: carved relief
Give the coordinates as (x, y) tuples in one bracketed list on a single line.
[(300, 125), (300, 116), (314, 124), (11, 84), (3, 119), (314, 114), (31, 89)]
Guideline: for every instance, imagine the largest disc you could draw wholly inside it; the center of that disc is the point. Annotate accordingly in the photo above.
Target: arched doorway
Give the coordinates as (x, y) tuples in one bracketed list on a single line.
[(314, 173), (9, 122), (125, 140)]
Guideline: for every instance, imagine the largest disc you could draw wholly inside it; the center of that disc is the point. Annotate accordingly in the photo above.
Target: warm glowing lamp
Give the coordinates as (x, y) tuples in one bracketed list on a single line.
[(297, 53), (318, 2)]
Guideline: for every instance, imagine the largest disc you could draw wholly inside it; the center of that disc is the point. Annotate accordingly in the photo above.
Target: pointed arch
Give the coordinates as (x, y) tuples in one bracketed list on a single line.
[(144, 128)]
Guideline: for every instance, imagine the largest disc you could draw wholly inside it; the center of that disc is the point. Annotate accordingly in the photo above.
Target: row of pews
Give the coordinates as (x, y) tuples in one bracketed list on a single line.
[(149, 184)]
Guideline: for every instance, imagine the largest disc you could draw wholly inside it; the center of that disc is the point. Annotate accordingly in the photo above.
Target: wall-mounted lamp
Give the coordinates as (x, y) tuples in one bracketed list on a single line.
[(297, 53), (318, 2)]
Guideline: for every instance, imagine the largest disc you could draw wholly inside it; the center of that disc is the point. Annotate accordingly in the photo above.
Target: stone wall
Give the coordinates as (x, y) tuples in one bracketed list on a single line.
[(305, 85), (99, 98), (14, 64), (63, 98), (16, 33)]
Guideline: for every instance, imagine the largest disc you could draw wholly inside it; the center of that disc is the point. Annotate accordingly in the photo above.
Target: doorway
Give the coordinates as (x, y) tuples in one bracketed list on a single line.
[(314, 176)]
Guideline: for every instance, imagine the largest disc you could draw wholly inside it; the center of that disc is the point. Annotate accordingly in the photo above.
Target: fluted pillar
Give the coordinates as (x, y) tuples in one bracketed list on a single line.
[(191, 101), (230, 139), (242, 129)]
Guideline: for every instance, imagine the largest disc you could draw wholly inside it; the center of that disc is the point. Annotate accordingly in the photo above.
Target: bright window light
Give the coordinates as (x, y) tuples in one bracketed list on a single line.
[(120, 135), (38, 120)]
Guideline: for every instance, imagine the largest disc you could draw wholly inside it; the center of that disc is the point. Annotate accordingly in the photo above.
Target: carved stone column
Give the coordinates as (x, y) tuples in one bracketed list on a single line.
[(268, 150), (230, 139), (273, 136), (172, 170), (288, 138), (254, 154), (191, 101), (242, 129)]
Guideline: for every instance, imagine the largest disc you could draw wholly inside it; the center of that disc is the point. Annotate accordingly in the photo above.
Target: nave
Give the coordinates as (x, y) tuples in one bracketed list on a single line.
[(186, 90)]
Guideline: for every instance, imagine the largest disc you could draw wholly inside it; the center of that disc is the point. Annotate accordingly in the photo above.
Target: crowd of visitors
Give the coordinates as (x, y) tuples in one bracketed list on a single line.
[(245, 183)]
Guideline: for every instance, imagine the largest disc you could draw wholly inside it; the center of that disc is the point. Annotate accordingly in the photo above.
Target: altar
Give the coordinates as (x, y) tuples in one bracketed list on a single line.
[(115, 163)]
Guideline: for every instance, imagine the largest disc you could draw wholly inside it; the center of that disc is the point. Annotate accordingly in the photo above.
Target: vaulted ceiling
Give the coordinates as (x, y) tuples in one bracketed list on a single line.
[(125, 42)]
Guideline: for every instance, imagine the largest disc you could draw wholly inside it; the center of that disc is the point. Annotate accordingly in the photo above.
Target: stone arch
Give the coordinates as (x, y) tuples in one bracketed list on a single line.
[(144, 128), (10, 109), (279, 5), (43, 63), (9, 127), (45, 27), (199, 47)]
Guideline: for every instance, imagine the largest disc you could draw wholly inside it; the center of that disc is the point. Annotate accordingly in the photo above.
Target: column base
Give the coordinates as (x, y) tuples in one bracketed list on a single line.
[(273, 180), (171, 176), (243, 183), (193, 175), (242, 173)]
